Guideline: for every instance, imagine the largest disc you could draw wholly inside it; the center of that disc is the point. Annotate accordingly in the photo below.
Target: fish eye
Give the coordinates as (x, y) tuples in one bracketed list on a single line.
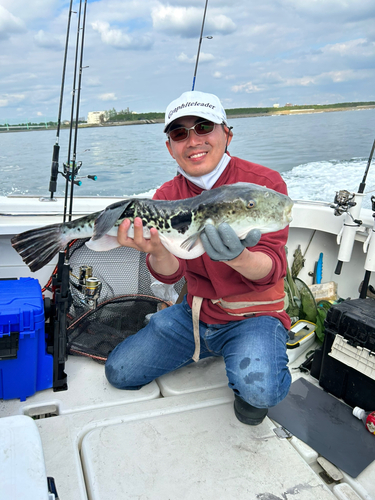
[(251, 204)]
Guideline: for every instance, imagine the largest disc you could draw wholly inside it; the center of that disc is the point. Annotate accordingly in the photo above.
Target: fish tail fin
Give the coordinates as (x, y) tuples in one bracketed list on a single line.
[(38, 246)]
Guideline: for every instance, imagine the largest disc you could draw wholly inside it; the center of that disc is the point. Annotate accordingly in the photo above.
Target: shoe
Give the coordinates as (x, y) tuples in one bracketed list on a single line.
[(248, 414)]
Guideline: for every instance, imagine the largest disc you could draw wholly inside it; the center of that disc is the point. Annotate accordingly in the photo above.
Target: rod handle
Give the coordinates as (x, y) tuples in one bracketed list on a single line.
[(338, 267), (365, 283), (54, 169)]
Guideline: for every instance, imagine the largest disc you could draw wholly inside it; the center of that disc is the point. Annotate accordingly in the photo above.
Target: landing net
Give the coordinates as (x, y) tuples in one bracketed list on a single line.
[(126, 299)]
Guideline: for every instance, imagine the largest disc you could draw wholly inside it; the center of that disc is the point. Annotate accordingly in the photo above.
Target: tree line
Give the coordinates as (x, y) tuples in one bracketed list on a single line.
[(126, 115)]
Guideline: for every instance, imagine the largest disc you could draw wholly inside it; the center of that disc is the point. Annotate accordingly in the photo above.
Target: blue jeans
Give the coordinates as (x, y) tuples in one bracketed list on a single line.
[(254, 351)]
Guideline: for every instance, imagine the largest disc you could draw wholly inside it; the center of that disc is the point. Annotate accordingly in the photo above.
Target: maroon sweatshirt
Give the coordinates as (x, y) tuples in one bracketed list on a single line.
[(212, 280)]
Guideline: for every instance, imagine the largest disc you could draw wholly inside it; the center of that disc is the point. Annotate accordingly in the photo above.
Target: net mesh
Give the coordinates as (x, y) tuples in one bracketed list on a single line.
[(123, 307)]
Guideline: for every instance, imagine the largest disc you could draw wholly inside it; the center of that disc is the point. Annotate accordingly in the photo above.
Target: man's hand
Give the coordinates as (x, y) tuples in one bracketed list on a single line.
[(138, 241), (161, 260), (222, 244)]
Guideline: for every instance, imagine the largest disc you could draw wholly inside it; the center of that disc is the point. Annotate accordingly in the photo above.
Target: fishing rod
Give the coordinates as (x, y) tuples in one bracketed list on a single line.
[(369, 244), (350, 203), (56, 147), (74, 158), (61, 281), (69, 172), (57, 308), (362, 186), (199, 45)]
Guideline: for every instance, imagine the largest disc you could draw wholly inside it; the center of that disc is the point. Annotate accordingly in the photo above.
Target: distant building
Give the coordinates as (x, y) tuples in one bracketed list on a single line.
[(289, 105), (276, 105), (96, 117)]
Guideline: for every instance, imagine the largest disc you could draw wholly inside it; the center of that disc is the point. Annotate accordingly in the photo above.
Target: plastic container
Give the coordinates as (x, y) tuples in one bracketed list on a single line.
[(301, 337), (348, 357), (25, 366), (367, 417), (22, 467)]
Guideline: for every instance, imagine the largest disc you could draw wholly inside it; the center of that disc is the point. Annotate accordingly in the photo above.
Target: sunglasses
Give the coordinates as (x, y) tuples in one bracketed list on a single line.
[(182, 133)]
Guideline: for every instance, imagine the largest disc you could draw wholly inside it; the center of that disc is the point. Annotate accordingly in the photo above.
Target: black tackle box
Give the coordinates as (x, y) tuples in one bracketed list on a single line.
[(348, 357)]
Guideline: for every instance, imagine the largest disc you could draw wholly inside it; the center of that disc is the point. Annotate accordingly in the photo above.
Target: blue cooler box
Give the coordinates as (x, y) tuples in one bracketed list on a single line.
[(25, 366)]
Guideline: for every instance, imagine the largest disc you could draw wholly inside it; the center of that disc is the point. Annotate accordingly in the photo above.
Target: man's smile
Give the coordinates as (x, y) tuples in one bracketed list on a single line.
[(198, 155)]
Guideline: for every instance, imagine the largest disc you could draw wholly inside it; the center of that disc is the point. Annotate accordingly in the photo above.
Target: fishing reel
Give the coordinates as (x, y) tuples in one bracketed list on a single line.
[(344, 201), (89, 286), (71, 170)]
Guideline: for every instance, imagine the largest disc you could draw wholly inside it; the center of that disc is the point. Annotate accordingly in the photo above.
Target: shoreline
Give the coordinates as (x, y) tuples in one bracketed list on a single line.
[(309, 111), (284, 112)]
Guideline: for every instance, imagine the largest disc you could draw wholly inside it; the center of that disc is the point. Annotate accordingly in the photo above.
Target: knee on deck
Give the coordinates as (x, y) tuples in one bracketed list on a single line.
[(118, 375), (260, 390)]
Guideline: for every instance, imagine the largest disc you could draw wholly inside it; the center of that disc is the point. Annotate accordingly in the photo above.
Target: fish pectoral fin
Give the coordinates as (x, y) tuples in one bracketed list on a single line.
[(103, 244), (190, 242), (108, 218)]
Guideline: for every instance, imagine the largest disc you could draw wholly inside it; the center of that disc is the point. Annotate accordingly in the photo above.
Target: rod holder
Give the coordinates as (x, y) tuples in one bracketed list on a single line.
[(349, 203)]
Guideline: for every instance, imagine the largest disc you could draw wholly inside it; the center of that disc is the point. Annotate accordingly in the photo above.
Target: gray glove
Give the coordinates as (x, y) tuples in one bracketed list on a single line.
[(222, 244)]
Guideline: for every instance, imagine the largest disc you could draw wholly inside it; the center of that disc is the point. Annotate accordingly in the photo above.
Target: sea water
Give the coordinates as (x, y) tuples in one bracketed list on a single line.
[(316, 154)]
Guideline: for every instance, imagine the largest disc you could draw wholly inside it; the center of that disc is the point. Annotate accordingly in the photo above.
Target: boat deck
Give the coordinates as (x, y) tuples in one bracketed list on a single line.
[(176, 438)]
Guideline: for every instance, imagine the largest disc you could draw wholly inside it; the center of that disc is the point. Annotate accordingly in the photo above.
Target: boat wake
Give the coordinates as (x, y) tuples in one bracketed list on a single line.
[(319, 181)]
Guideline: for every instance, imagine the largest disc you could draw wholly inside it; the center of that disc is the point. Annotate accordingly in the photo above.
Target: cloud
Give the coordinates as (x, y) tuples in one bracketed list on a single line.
[(361, 47), (184, 58), (133, 12), (35, 9), (303, 81), (273, 80), (119, 39), (48, 41), (9, 24), (187, 21), (9, 99), (93, 82), (15, 78), (339, 10), (325, 77), (345, 75), (248, 87), (108, 97), (203, 57)]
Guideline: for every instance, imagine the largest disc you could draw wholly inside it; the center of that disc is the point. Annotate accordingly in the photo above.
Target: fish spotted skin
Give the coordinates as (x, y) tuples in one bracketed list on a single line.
[(243, 206)]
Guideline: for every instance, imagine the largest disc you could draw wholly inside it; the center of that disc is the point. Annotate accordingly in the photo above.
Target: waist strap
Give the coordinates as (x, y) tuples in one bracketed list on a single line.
[(245, 305), (250, 303), (195, 311)]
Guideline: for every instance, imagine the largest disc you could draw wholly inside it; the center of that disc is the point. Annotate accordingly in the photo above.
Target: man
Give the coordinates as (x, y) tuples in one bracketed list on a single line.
[(252, 339)]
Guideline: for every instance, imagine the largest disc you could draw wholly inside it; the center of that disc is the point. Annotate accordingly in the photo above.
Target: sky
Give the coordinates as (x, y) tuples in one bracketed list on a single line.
[(141, 54)]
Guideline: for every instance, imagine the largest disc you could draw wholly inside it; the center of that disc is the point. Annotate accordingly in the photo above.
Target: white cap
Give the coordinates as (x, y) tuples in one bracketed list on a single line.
[(358, 412), (195, 103)]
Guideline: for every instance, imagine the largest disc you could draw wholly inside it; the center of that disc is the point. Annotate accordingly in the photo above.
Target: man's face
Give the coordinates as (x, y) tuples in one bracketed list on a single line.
[(198, 154)]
